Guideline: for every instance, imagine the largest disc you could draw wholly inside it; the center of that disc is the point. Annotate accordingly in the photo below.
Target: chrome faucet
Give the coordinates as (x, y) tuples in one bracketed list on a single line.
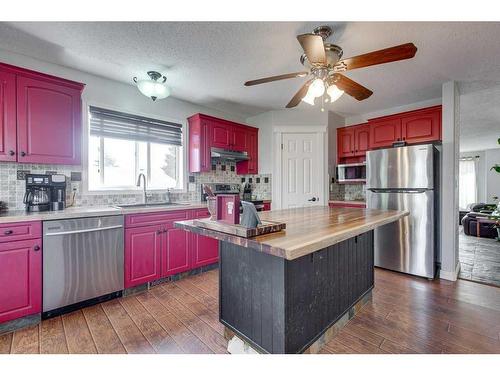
[(138, 184)]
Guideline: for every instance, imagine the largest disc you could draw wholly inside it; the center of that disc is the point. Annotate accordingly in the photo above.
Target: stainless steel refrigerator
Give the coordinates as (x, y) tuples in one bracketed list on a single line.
[(406, 178)]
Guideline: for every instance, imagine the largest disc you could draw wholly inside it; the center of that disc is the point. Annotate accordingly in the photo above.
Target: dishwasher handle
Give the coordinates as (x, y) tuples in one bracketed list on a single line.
[(83, 230)]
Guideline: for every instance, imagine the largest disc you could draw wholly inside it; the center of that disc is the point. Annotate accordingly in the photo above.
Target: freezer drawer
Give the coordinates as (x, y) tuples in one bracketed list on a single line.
[(410, 167), (83, 259), (408, 244)]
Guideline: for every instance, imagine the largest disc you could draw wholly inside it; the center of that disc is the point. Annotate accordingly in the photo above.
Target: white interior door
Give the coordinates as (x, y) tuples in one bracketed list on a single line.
[(302, 170)]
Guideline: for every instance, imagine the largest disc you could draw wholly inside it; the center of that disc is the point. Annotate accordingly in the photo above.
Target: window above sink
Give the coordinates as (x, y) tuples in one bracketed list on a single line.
[(122, 145)]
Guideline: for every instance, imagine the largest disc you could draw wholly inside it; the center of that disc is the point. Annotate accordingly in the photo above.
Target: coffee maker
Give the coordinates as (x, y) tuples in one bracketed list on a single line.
[(45, 192)]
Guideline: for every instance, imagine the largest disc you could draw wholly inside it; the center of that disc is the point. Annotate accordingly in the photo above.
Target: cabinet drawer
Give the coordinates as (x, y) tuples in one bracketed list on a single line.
[(20, 231), (164, 217), (200, 214)]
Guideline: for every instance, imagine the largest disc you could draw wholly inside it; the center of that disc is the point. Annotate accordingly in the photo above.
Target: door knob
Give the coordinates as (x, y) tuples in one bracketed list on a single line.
[(313, 199), (36, 248), (12, 153), (23, 153)]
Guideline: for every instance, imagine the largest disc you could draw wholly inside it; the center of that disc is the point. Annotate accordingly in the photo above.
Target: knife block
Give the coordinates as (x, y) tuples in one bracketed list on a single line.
[(228, 208)]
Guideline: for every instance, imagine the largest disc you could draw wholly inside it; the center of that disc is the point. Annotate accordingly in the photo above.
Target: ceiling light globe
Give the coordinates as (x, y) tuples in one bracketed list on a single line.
[(317, 88), (334, 93), (309, 99), (153, 89)]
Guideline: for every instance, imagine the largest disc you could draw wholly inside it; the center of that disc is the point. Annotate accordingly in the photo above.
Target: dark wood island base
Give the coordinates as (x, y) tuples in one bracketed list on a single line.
[(276, 305)]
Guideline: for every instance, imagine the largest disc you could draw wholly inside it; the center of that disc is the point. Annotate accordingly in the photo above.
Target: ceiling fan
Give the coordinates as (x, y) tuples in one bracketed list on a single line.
[(324, 63)]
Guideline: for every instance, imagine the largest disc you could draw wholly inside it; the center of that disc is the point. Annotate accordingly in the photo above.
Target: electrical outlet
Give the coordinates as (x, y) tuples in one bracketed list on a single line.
[(192, 187), (75, 187)]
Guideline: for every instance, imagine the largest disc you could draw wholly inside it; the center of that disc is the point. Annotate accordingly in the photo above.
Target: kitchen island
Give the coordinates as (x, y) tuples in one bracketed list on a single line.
[(288, 292)]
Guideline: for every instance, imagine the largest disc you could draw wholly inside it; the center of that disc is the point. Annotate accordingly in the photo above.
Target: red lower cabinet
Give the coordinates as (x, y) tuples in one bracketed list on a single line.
[(175, 252), (20, 279), (267, 206), (142, 254), (204, 250), (154, 248)]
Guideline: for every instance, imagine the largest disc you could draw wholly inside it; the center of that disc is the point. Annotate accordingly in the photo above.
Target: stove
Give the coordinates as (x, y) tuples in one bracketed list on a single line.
[(225, 188)]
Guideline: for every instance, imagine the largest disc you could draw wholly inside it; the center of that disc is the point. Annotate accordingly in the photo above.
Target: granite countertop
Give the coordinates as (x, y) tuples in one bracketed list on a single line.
[(76, 212), (307, 229)]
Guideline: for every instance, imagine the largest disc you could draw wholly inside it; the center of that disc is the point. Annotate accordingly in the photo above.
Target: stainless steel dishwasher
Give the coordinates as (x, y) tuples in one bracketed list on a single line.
[(82, 260)]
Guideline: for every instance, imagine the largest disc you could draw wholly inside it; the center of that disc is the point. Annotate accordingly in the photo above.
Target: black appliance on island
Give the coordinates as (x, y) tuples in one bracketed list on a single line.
[(45, 192)]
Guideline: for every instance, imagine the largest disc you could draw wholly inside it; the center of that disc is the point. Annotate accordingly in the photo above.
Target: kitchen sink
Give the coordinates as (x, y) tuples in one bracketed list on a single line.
[(146, 205)]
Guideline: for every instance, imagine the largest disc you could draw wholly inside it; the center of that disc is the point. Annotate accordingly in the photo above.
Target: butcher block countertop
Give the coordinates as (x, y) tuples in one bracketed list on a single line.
[(307, 229)]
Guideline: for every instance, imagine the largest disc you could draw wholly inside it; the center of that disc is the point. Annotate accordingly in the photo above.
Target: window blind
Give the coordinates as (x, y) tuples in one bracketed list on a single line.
[(114, 124)]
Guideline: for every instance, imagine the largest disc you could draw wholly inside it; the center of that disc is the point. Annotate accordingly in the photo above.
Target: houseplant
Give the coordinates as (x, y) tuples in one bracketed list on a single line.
[(496, 167)]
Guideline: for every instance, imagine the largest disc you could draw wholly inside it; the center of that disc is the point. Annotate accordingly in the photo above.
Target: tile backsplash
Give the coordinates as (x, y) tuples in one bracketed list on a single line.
[(12, 185), (348, 192)]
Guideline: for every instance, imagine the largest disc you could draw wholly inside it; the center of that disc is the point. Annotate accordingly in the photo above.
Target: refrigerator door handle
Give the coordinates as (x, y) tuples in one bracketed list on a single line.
[(403, 191)]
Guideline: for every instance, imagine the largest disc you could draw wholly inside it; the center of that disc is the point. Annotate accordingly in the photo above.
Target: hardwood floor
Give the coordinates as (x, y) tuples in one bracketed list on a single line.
[(407, 315)]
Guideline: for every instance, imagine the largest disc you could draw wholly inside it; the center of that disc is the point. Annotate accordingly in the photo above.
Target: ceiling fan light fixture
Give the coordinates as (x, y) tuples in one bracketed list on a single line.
[(334, 92), (155, 87)]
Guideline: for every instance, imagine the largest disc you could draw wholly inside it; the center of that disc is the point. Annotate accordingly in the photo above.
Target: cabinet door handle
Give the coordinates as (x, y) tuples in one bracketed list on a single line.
[(12, 153), (36, 248), (23, 153), (7, 232), (159, 231)]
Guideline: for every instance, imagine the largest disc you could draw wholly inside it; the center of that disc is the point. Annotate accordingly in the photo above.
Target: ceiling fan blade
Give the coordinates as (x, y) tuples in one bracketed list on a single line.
[(401, 52), (299, 95), (275, 78), (313, 47), (350, 87)]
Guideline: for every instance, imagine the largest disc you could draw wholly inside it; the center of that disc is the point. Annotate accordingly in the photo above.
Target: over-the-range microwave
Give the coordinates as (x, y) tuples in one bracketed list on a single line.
[(351, 173)]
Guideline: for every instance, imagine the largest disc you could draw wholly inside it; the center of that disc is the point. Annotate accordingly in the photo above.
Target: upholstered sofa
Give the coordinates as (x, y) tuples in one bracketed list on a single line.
[(469, 221)]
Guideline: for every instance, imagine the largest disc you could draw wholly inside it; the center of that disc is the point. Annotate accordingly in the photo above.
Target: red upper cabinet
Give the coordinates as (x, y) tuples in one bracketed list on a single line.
[(345, 142), (361, 140), (419, 126), (7, 116), (250, 166), (48, 122), (142, 254), (424, 126), (41, 117), (239, 139), (352, 142), (206, 132), (199, 146), (221, 135), (383, 133), (20, 278)]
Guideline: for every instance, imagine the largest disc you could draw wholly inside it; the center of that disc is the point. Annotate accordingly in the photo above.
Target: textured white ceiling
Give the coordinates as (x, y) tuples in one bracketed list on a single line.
[(207, 63), (479, 116)]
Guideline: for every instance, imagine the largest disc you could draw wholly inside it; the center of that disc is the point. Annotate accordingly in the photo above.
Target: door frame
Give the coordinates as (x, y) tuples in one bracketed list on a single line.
[(322, 136)]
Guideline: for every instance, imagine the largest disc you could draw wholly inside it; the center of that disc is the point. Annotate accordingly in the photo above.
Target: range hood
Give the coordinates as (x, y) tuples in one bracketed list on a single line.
[(222, 154)]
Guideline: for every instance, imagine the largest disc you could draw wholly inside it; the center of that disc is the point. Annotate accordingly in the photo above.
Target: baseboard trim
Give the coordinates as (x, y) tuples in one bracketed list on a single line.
[(452, 276)]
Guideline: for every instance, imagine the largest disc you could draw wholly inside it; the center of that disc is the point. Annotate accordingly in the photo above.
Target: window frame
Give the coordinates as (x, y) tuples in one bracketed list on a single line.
[(183, 171)]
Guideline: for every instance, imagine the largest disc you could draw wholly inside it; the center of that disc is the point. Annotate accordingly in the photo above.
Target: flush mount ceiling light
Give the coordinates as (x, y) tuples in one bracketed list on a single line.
[(155, 87)]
